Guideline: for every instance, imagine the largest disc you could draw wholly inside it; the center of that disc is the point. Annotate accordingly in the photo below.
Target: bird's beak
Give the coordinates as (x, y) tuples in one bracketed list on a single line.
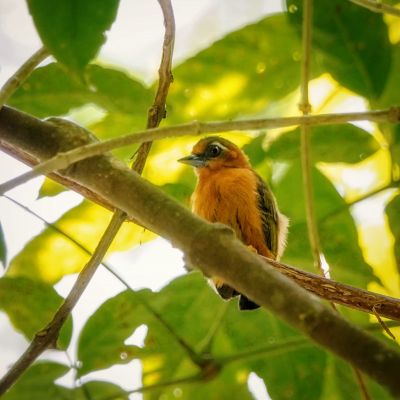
[(194, 160)]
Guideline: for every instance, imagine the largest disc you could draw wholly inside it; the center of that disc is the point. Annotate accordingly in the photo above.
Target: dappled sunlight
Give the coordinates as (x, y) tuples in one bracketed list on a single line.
[(359, 179), (217, 96)]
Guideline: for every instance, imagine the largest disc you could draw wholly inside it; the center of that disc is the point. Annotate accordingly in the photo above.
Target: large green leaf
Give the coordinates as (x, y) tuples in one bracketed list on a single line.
[(338, 234), (239, 75), (85, 223), (352, 42), (31, 306), (37, 383), (3, 248), (51, 91), (291, 366), (393, 213), (73, 30), (332, 143)]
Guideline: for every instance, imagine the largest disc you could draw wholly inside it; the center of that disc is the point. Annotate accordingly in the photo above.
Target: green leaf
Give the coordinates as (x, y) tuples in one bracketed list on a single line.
[(292, 367), (85, 223), (3, 248), (352, 42), (337, 230), (31, 305), (50, 188), (332, 143), (393, 213), (37, 383), (51, 91), (98, 390), (72, 30), (239, 75)]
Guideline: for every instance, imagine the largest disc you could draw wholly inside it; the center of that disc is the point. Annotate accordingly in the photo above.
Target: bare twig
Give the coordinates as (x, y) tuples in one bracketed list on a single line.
[(305, 131), (63, 160), (378, 7), (19, 77), (158, 111), (305, 108)]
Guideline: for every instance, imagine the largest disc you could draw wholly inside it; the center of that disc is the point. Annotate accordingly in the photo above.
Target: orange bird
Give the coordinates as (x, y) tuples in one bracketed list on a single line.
[(229, 191)]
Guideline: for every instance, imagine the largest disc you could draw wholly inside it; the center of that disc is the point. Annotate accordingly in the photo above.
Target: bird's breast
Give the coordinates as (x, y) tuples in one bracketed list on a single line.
[(229, 196)]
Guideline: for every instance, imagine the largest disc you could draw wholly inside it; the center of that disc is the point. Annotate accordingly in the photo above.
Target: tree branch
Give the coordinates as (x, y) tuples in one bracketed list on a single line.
[(211, 247), (378, 7), (62, 160)]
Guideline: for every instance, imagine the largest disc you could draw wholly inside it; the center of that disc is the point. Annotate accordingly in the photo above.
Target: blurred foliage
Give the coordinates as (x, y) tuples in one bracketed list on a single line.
[(30, 305), (252, 72), (38, 384)]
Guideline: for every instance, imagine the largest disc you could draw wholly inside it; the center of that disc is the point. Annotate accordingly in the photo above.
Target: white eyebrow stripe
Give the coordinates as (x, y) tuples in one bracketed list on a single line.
[(219, 144)]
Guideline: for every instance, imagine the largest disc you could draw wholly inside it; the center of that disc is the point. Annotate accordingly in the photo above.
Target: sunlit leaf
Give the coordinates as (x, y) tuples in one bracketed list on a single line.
[(85, 223), (50, 188), (291, 366), (331, 143), (336, 227), (37, 383), (352, 41), (239, 75), (340, 382), (3, 248), (393, 213), (51, 91), (31, 305), (72, 30)]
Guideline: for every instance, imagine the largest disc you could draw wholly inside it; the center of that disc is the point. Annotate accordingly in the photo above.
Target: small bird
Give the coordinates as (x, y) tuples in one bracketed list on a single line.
[(229, 191)]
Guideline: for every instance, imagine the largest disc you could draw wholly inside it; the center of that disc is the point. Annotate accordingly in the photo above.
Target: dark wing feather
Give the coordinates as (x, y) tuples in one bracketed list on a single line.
[(269, 213)]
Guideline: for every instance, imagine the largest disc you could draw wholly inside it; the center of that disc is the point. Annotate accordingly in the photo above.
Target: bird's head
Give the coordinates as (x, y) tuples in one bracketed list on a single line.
[(214, 153)]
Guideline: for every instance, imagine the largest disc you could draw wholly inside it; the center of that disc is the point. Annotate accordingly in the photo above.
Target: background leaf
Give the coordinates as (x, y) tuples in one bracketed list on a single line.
[(85, 223), (333, 143), (37, 383), (357, 57), (72, 30), (30, 305), (239, 75)]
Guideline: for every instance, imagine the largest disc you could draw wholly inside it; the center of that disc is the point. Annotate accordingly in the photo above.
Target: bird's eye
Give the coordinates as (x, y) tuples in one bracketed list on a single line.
[(213, 150)]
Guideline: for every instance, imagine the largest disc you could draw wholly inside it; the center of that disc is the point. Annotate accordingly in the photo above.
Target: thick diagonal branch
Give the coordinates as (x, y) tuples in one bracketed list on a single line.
[(213, 248)]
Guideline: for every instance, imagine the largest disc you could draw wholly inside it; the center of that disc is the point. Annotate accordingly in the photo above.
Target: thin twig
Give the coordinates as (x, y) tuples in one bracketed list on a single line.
[(305, 132), (383, 324), (63, 160), (378, 7), (306, 163), (158, 111), (23, 72)]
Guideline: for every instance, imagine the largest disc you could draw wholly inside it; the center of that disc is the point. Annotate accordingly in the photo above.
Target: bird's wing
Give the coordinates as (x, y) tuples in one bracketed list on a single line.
[(269, 215)]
